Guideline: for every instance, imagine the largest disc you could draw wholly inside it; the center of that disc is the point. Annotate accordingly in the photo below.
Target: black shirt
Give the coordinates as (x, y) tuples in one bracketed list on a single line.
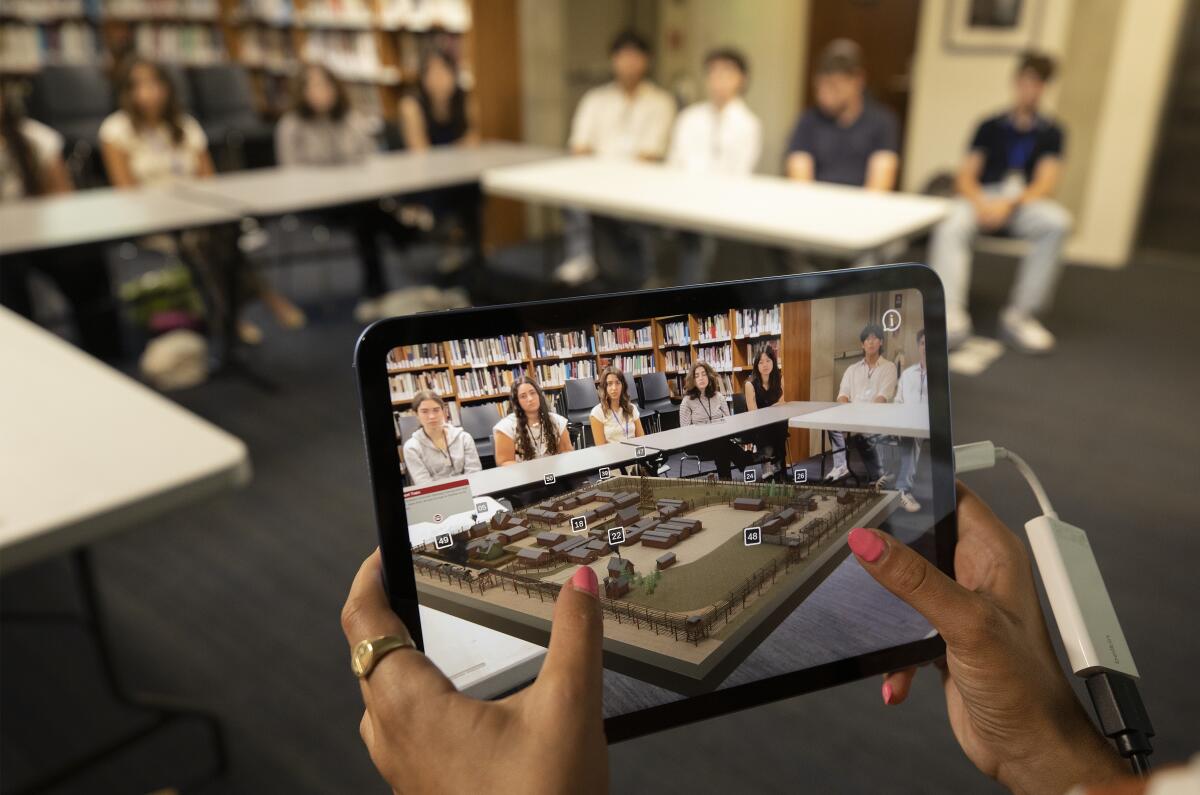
[(840, 154), (442, 132), (1005, 148), (764, 397)]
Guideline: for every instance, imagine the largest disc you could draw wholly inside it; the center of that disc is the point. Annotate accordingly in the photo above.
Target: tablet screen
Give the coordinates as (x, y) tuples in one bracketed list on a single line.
[(707, 465)]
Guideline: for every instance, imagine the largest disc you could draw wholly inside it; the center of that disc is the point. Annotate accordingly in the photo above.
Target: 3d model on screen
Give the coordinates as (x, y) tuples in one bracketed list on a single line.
[(694, 573)]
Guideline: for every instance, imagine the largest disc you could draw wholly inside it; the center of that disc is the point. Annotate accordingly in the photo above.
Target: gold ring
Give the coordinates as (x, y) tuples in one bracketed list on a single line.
[(367, 653)]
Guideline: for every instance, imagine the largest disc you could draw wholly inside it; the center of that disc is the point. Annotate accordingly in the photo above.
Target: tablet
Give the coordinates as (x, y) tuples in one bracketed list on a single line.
[(706, 450)]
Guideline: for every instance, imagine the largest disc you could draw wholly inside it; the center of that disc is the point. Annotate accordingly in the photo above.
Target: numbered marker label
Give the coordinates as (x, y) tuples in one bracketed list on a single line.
[(752, 536), (801, 475), (481, 507), (605, 473), (616, 536), (578, 524), (750, 476), (443, 541), (640, 452), (548, 479)]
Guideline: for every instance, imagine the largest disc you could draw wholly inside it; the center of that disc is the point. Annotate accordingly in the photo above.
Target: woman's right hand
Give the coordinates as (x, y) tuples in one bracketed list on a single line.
[(1011, 709)]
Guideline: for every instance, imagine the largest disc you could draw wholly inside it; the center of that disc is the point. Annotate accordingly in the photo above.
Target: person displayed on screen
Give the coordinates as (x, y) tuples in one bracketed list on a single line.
[(913, 390), (32, 165), (322, 128), (703, 404), (150, 141), (437, 449), (718, 136), (615, 418), (764, 388), (870, 379), (628, 118), (1010, 708), (848, 138), (530, 430), (1006, 185), (440, 112)]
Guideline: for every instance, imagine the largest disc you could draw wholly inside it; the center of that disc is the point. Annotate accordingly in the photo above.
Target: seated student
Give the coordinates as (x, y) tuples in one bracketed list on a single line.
[(31, 164), (913, 389), (615, 417), (628, 119), (848, 138), (150, 141), (764, 388), (530, 430), (720, 136), (437, 449), (322, 129), (440, 112), (871, 379), (703, 404), (1006, 184)]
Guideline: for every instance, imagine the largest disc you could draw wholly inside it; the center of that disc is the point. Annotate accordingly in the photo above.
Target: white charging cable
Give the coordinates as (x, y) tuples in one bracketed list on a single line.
[(1083, 610)]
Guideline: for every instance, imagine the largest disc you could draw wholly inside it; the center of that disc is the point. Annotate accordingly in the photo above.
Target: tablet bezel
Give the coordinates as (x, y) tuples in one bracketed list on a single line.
[(387, 481)]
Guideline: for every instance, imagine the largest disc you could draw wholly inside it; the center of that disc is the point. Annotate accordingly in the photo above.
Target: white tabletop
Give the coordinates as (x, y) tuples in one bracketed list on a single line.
[(86, 451), (275, 191), (97, 216), (819, 217), (900, 419), (677, 438)]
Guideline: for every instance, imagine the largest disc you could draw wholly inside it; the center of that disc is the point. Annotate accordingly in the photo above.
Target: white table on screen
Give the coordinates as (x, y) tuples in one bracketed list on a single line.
[(99, 215), (818, 217), (898, 419), (281, 190)]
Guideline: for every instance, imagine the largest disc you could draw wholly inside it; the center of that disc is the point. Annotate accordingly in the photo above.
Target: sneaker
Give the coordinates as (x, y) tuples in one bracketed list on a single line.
[(368, 310), (1023, 332), (576, 270), (884, 480), (766, 471), (909, 503), (249, 333), (837, 473), (958, 326)]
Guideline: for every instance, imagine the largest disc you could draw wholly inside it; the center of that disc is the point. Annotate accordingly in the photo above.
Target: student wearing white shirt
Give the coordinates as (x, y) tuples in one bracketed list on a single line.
[(628, 119), (719, 136), (615, 418), (913, 390), (437, 449), (530, 430), (872, 379)]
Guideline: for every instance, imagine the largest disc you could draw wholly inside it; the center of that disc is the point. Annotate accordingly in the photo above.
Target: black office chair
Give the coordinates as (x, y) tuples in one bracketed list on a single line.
[(581, 397), (74, 100), (224, 103), (479, 420), (182, 85), (656, 399)]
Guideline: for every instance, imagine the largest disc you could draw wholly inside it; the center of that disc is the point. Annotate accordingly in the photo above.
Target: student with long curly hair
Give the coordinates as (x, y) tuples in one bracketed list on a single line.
[(703, 404), (530, 430)]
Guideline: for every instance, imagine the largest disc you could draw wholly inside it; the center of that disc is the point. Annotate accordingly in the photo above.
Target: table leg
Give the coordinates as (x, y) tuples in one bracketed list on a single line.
[(166, 710)]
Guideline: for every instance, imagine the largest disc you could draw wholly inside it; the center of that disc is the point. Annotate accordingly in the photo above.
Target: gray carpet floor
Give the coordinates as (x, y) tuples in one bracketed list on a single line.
[(234, 603)]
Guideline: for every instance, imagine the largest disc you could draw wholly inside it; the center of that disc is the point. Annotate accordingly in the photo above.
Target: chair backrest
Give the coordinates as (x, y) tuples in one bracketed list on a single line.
[(654, 387), (71, 98), (631, 388), (479, 420), (581, 394), (739, 403), (408, 426), (223, 92), (182, 85)]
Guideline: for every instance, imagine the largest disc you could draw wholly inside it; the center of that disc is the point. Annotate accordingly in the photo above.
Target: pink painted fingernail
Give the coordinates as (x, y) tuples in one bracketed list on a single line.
[(866, 544), (887, 693), (584, 579)]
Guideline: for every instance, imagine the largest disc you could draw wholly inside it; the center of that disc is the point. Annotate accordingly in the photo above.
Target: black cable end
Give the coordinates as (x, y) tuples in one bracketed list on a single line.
[(1123, 717)]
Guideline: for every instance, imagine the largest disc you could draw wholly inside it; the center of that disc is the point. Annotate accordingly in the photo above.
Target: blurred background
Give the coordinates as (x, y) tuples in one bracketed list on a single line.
[(230, 603)]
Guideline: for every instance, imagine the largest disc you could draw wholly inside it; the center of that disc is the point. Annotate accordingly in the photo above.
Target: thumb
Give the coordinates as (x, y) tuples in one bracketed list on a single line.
[(950, 608), (573, 663)]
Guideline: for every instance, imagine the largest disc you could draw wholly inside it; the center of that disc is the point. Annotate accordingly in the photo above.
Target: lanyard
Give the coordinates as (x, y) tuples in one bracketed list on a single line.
[(446, 452)]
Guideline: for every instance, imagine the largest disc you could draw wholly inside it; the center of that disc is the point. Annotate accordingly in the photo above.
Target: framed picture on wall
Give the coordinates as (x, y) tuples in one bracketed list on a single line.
[(997, 26)]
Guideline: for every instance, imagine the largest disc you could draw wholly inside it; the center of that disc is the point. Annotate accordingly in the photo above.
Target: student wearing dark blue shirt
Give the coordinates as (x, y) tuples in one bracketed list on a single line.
[(1006, 184), (848, 138)]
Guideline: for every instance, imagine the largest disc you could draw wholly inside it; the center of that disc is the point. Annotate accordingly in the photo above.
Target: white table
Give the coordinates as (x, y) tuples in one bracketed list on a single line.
[(86, 451), (677, 438), (276, 191), (823, 218), (100, 215), (897, 419)]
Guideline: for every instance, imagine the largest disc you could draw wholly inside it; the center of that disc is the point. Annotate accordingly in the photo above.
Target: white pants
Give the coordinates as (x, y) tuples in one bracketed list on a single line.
[(1043, 223)]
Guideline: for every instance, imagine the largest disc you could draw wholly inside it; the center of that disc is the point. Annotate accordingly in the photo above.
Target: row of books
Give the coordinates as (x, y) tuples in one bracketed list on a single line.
[(506, 348), (634, 363), (200, 10), (676, 332), (418, 15), (196, 45), (351, 55), (624, 337), (677, 358), (560, 343), (49, 10), (754, 322), (714, 327), (405, 385), (486, 381), (27, 48), (725, 384), (753, 349), (268, 48), (430, 353), (719, 356), (558, 373)]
